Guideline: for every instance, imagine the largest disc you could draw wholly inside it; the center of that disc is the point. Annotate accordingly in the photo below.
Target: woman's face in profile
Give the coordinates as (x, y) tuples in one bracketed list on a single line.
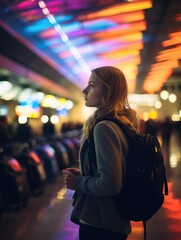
[(93, 93)]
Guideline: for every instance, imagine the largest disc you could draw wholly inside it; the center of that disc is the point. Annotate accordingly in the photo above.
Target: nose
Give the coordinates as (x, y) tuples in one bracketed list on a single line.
[(85, 90)]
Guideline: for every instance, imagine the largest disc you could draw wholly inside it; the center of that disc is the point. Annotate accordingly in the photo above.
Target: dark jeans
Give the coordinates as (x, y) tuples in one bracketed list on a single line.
[(87, 232)]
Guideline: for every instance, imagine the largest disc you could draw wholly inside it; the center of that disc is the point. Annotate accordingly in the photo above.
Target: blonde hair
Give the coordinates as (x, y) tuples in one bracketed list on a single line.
[(115, 101)]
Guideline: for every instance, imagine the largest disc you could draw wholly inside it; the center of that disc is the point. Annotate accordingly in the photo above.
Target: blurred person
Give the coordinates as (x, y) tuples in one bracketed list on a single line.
[(14, 125), (166, 132), (6, 136), (48, 129), (142, 126), (151, 127), (94, 207), (176, 187), (23, 132)]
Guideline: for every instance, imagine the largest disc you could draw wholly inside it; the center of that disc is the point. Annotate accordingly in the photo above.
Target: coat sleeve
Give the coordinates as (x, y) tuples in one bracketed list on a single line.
[(108, 150)]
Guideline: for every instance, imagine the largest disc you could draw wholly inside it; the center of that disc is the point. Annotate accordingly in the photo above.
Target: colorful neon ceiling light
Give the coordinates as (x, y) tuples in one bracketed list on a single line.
[(81, 35)]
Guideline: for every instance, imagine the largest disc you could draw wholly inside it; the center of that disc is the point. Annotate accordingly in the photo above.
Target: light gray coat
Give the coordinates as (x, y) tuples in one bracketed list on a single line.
[(93, 203)]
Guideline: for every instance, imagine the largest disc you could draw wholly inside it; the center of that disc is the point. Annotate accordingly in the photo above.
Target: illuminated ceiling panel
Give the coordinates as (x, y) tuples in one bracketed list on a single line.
[(168, 54), (75, 36)]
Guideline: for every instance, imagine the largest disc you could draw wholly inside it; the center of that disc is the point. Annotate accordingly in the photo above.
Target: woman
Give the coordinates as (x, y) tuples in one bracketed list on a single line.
[(96, 186)]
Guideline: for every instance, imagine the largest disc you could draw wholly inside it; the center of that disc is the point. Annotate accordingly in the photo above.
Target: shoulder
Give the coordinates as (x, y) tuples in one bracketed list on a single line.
[(107, 124), (109, 128), (107, 133)]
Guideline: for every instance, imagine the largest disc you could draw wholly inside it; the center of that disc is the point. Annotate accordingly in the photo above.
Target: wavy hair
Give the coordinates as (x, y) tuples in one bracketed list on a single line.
[(115, 99)]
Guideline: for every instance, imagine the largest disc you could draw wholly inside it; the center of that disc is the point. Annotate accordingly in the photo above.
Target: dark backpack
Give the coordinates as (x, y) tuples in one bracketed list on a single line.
[(142, 193)]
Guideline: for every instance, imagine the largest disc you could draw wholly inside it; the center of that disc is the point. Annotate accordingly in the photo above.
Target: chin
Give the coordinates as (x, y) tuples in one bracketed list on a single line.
[(88, 105)]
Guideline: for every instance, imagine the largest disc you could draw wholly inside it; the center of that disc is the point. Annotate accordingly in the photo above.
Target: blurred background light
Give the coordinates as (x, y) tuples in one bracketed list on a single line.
[(172, 98), (164, 94), (54, 119), (44, 119), (22, 119), (158, 104)]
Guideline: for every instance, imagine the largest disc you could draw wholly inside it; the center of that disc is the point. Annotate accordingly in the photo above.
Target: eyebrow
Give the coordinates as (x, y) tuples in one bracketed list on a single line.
[(91, 81)]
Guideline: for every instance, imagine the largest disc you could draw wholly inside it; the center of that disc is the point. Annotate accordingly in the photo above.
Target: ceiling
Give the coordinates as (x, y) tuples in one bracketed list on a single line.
[(55, 43)]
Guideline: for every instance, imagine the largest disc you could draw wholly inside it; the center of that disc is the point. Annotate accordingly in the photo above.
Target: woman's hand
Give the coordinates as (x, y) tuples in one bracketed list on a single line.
[(70, 176), (75, 171)]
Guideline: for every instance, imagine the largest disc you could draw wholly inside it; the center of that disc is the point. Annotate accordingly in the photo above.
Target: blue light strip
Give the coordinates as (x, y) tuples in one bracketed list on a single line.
[(64, 37)]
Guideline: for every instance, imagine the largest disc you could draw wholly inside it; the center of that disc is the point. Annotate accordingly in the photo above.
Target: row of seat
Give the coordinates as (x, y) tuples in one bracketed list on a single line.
[(26, 169)]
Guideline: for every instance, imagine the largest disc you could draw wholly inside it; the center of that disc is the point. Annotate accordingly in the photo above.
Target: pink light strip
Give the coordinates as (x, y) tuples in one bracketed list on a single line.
[(31, 76)]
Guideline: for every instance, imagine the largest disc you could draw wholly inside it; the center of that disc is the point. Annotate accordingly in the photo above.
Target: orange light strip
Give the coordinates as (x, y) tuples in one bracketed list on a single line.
[(170, 42), (121, 8), (173, 53), (132, 59), (151, 85), (158, 75), (131, 86), (121, 18), (48, 33), (130, 70), (165, 64), (167, 60), (169, 51), (132, 36), (130, 74), (175, 38), (172, 208), (128, 67), (135, 36), (178, 18), (119, 30), (169, 56), (128, 17), (126, 46), (129, 46), (121, 53), (173, 35)]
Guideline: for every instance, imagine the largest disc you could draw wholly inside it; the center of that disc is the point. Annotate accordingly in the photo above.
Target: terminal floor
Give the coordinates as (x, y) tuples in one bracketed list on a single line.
[(47, 217)]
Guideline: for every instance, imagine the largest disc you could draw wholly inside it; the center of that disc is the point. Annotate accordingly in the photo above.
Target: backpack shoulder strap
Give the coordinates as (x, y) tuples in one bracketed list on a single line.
[(127, 131), (91, 146)]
